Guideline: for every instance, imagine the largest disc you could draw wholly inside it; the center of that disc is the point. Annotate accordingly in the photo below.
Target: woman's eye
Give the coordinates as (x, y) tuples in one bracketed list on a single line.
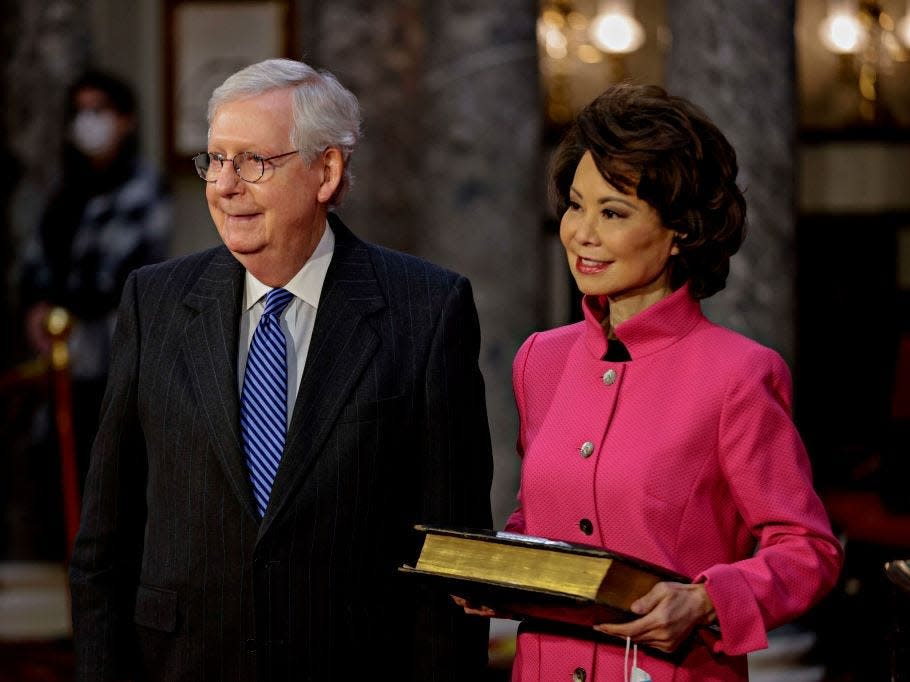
[(607, 213), (573, 206)]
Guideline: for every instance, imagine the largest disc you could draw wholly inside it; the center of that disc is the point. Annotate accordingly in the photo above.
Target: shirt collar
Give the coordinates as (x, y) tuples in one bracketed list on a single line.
[(306, 284)]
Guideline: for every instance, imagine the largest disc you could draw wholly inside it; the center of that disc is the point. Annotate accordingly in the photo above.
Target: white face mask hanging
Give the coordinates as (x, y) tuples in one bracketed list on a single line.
[(638, 675)]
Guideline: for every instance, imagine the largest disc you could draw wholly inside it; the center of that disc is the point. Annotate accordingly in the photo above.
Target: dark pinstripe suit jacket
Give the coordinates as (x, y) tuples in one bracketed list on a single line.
[(174, 577)]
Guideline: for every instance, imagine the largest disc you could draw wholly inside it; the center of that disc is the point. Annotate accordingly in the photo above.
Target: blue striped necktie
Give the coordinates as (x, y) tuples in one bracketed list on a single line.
[(263, 399)]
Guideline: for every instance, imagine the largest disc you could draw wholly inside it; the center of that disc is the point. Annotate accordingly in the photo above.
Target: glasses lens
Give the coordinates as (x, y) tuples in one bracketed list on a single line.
[(207, 167), (250, 166)]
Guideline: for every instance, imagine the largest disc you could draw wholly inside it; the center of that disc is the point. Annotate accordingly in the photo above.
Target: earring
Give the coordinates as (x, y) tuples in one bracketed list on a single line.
[(678, 238)]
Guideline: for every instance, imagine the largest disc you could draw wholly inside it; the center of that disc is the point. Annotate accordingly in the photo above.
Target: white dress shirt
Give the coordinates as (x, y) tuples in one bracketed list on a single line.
[(298, 318)]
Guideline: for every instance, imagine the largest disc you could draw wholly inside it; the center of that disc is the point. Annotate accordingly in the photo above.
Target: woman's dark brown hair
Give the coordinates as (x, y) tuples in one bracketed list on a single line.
[(667, 151)]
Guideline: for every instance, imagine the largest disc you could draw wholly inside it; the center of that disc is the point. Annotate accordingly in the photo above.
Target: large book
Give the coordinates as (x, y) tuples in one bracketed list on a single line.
[(521, 576)]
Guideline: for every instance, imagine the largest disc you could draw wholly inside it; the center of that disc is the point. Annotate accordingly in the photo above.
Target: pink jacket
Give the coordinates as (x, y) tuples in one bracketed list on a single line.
[(694, 464)]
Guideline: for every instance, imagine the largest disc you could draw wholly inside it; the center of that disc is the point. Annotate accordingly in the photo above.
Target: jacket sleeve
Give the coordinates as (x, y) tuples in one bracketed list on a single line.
[(455, 478), (797, 559), (106, 558)]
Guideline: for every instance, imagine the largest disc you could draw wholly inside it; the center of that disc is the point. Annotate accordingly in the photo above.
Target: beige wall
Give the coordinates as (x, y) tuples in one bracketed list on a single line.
[(857, 178), (854, 177)]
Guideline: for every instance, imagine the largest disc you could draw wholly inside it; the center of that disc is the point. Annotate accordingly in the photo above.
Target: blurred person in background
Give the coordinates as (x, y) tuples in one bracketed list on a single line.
[(109, 213)]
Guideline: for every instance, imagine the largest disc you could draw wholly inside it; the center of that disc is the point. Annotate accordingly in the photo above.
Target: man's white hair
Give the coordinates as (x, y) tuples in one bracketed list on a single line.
[(326, 114)]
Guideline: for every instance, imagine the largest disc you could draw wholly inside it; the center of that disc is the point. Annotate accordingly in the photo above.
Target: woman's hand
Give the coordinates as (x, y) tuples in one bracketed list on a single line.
[(473, 610), (669, 612)]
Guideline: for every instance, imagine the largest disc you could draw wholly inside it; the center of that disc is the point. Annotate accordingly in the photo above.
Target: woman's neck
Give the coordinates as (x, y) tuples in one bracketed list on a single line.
[(623, 309)]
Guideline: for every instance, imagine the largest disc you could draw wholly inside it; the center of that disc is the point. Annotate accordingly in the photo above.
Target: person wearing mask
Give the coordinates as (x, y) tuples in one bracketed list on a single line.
[(651, 431), (282, 410), (110, 214)]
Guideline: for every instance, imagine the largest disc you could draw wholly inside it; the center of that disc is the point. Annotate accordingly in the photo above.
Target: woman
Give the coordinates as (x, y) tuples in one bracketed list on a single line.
[(651, 431)]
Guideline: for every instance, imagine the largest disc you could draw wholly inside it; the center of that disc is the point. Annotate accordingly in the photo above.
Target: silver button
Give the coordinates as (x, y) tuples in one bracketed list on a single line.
[(610, 376), (587, 449), (580, 675)]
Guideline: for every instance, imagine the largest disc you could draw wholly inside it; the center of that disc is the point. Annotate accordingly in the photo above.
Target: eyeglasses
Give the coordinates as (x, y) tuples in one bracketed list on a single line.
[(250, 167)]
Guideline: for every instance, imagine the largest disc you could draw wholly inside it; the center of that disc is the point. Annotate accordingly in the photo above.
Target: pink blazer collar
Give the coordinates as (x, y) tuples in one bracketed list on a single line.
[(651, 330)]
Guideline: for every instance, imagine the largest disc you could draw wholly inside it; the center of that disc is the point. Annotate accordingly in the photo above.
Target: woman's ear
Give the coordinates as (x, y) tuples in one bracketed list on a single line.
[(332, 170)]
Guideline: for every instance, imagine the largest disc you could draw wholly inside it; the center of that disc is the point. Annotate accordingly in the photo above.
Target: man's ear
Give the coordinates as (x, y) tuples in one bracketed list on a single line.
[(332, 170)]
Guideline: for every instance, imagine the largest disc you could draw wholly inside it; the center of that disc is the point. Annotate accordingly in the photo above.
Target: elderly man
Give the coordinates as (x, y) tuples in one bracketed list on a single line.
[(281, 410)]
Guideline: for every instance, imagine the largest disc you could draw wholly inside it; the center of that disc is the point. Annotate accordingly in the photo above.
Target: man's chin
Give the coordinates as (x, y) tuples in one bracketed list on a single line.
[(244, 247)]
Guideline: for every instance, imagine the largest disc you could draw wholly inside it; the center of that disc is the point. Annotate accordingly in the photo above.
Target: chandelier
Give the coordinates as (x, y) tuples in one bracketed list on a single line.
[(575, 36), (870, 43)]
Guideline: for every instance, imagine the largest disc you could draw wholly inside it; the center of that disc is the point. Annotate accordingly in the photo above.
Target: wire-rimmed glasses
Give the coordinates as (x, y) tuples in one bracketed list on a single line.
[(249, 166)]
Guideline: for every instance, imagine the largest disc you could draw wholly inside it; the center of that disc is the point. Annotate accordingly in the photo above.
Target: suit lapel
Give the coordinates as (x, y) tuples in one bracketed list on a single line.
[(343, 343), (211, 348)]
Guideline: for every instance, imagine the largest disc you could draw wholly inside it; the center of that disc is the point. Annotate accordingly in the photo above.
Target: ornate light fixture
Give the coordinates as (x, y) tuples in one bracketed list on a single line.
[(870, 43), (615, 30), (841, 31), (902, 28), (570, 40)]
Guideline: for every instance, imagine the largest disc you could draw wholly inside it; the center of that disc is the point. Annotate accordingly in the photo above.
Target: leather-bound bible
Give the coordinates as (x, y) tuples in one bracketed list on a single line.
[(521, 576)]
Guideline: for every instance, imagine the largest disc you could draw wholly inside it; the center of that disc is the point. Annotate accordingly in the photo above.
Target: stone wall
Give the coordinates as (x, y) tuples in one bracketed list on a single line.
[(46, 45), (449, 167)]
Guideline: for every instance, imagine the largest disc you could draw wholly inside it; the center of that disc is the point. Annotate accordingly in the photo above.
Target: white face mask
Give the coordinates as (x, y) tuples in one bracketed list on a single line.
[(93, 132)]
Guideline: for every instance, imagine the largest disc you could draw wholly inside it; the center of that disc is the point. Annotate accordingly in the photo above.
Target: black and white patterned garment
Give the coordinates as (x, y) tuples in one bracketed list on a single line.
[(95, 231)]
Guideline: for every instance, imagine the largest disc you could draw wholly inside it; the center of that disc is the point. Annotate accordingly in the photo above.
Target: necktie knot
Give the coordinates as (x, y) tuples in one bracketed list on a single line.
[(276, 301)]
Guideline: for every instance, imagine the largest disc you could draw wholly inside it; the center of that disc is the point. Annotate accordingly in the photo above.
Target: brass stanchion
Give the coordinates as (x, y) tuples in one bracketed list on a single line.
[(59, 324)]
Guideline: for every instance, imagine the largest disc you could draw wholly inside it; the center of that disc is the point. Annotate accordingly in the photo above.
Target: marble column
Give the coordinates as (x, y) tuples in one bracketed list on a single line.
[(449, 167), (736, 60), (482, 212), (47, 45)]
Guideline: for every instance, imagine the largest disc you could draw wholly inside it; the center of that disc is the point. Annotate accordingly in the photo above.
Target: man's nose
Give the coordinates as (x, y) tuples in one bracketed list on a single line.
[(228, 181)]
